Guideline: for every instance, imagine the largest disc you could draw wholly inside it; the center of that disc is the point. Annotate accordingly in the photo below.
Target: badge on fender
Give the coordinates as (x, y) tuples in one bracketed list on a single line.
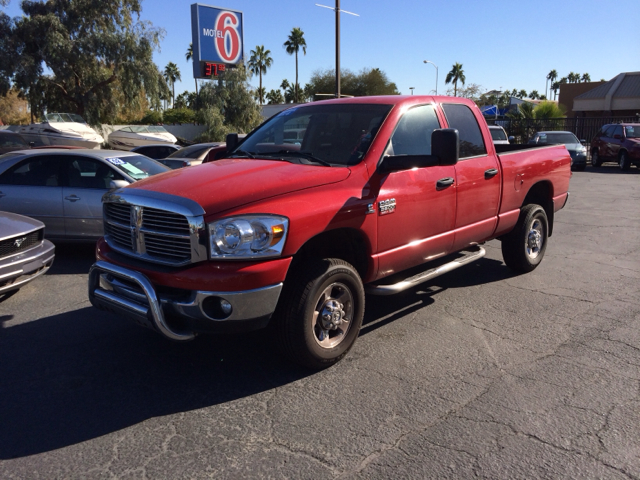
[(387, 206)]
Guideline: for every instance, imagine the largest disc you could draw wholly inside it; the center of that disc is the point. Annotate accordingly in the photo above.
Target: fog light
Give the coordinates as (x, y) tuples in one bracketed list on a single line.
[(216, 308), (226, 307)]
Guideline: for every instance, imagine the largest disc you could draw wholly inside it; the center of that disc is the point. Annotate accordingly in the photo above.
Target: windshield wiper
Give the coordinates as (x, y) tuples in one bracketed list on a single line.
[(242, 153), (305, 155)]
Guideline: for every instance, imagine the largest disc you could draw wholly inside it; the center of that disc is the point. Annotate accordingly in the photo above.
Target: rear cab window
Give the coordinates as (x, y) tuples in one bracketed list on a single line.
[(461, 117)]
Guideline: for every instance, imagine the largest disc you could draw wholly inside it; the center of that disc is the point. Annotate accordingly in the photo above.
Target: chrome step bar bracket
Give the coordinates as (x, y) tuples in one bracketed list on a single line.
[(98, 296), (422, 277)]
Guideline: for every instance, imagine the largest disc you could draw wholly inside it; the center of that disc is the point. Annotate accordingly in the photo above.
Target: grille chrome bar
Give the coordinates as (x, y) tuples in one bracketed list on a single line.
[(135, 225)]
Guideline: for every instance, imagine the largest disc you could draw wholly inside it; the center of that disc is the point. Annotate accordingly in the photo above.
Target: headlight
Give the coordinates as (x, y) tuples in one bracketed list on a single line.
[(248, 236)]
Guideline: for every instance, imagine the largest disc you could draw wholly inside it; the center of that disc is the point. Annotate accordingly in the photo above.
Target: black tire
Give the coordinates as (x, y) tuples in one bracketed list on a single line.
[(596, 160), (523, 248), (316, 287), (624, 162)]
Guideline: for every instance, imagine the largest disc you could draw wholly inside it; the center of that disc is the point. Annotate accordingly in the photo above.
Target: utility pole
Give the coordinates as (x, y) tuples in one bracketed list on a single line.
[(337, 10)]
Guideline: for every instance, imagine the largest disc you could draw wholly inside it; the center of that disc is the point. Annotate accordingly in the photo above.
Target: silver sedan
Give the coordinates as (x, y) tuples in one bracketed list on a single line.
[(63, 189)]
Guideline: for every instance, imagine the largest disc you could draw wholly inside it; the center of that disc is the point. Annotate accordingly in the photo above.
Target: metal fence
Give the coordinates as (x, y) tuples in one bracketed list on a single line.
[(584, 128)]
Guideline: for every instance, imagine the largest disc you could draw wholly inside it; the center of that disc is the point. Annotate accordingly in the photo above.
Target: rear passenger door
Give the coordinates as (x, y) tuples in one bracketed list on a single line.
[(33, 188), (613, 145), (478, 179), (87, 180)]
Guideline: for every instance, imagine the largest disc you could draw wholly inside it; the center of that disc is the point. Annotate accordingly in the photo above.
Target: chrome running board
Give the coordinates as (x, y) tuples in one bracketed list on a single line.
[(410, 282)]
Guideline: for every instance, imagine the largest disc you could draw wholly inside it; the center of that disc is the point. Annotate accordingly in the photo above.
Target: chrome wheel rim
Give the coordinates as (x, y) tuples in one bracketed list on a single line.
[(332, 316), (535, 239)]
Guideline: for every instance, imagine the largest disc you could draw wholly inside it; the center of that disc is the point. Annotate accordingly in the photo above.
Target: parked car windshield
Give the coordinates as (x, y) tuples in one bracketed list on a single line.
[(558, 138), (194, 151), (137, 166), (335, 134), (498, 134), (632, 131)]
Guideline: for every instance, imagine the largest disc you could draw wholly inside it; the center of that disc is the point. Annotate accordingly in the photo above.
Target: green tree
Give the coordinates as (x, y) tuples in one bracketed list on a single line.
[(259, 93), (454, 76), (259, 62), (88, 49), (189, 56), (551, 77), (534, 95), (230, 96), (294, 43), (471, 91), (573, 77), (370, 81), (585, 78), (522, 94), (172, 75), (555, 86), (547, 109), (275, 97)]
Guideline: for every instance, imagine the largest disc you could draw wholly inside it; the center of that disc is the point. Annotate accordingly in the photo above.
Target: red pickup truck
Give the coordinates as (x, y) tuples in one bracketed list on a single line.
[(295, 233)]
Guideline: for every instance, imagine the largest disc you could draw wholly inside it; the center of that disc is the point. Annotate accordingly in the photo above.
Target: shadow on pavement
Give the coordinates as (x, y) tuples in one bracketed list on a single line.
[(76, 376), (73, 258)]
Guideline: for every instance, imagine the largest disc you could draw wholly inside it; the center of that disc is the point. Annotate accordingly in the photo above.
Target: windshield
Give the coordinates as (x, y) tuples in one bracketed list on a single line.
[(632, 131), (498, 134), (156, 129), (12, 140), (137, 166), (194, 151), (338, 134), (558, 138), (63, 117)]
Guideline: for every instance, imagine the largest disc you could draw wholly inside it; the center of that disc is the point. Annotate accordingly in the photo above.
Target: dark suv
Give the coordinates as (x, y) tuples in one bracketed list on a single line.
[(617, 143)]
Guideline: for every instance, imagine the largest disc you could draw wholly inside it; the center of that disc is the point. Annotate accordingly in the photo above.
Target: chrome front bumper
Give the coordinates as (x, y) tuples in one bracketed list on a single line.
[(19, 269), (131, 294)]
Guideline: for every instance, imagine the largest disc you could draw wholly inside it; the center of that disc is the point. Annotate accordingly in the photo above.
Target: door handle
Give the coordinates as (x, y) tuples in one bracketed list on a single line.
[(492, 172), (444, 183), (72, 198)]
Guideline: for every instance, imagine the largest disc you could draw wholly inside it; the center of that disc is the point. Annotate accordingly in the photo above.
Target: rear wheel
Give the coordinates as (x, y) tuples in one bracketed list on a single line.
[(320, 313), (523, 248), (624, 162), (596, 161)]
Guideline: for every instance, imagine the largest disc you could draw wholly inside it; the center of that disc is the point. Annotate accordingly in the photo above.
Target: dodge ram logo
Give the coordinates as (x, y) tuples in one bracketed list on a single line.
[(19, 241)]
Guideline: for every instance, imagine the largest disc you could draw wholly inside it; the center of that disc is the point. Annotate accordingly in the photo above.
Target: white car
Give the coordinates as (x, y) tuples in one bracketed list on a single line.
[(498, 135)]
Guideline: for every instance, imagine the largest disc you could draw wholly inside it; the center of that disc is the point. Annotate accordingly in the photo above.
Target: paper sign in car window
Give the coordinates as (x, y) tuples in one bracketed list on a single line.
[(115, 161), (132, 169)]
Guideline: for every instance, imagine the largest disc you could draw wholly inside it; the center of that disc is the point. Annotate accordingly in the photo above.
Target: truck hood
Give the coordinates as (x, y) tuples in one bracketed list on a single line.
[(230, 183)]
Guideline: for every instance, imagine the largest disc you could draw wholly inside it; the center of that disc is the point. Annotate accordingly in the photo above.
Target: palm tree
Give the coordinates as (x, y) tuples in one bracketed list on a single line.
[(555, 86), (551, 77), (534, 94), (259, 94), (258, 64), (189, 56), (522, 94), (275, 97), (172, 75), (573, 77), (586, 77), (294, 42), (454, 76)]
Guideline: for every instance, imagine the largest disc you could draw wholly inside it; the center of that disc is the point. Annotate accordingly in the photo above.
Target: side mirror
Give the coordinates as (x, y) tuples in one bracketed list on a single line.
[(445, 145), (583, 141), (32, 144), (512, 139), (232, 142), (113, 184)]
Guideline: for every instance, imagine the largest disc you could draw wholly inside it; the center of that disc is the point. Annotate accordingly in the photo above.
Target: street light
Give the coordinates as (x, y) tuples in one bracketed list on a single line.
[(427, 61), (337, 10), (411, 88)]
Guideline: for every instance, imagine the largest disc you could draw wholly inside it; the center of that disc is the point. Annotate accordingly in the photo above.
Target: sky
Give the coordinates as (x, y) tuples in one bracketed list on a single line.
[(501, 44)]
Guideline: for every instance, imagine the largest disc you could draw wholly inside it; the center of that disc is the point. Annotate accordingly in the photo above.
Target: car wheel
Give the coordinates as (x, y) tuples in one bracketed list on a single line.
[(596, 161), (320, 312), (624, 162), (523, 248)]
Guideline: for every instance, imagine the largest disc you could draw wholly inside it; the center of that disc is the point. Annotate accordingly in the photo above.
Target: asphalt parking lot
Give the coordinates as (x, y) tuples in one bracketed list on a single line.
[(479, 373)]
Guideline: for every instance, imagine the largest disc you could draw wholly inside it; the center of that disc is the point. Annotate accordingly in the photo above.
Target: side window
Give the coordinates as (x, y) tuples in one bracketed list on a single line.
[(617, 131), (609, 131), (462, 118), (413, 133), (40, 171), (85, 172)]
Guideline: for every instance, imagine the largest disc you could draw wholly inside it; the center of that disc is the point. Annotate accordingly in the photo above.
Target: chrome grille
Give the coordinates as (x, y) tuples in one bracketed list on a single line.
[(153, 234), (20, 243)]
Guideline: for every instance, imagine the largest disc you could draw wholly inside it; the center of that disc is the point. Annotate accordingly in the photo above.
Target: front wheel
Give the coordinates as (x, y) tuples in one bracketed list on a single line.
[(320, 312), (596, 161), (625, 164), (524, 247)]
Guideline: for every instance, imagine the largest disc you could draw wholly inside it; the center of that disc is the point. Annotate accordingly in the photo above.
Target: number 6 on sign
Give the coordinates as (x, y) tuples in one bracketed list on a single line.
[(228, 45)]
